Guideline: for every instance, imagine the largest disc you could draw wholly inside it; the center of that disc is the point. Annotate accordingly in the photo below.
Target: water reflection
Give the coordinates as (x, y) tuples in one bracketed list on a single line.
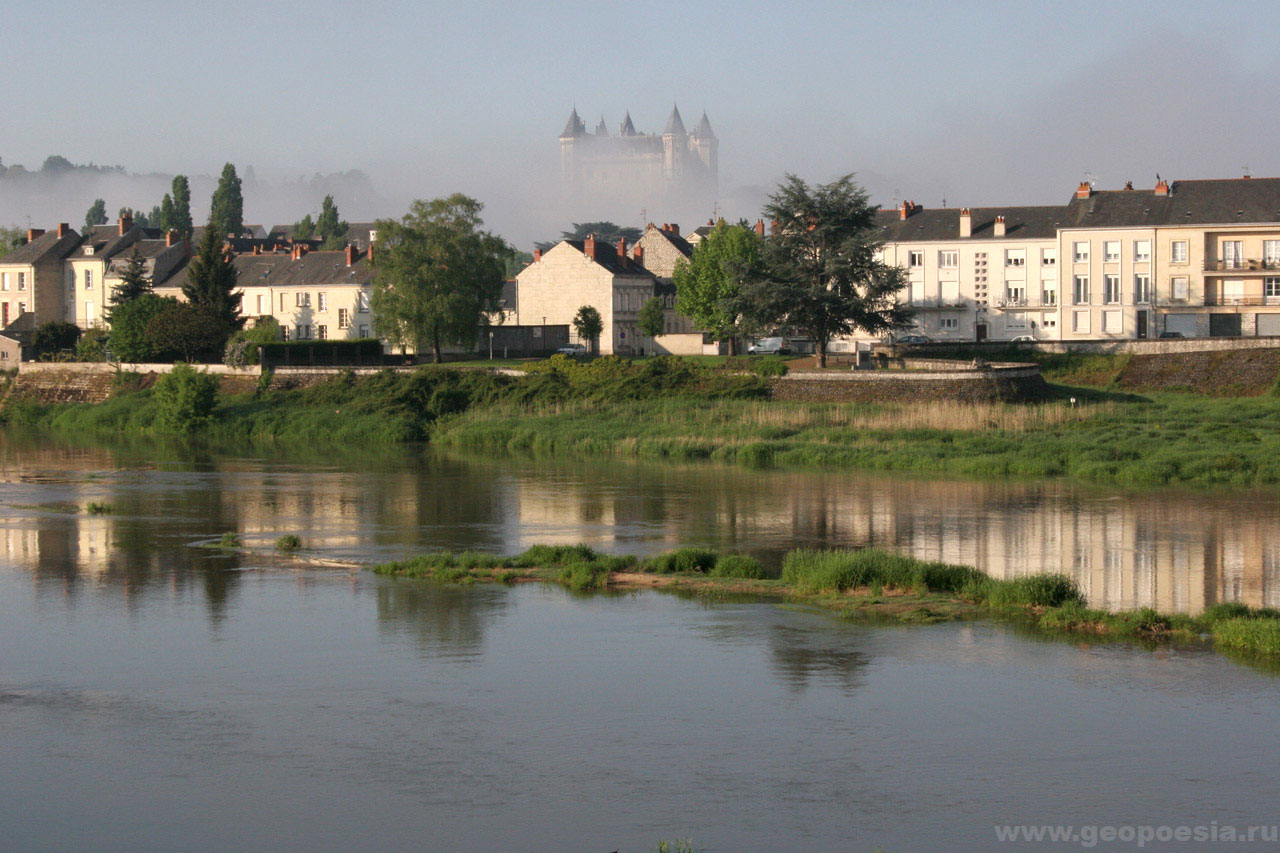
[(443, 621), (1177, 551)]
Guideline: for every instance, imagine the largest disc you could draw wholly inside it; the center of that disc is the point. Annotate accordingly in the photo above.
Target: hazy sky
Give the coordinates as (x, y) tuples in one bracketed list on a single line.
[(983, 103)]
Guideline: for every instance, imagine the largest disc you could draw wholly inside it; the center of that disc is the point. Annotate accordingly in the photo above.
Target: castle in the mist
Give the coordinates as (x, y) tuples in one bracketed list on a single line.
[(675, 166)]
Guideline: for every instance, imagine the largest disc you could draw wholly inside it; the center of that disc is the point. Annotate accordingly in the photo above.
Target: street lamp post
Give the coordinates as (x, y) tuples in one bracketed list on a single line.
[(491, 346)]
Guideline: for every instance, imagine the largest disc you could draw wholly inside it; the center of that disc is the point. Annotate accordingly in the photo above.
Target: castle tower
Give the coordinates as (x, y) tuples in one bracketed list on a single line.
[(574, 130), (674, 143), (707, 147)]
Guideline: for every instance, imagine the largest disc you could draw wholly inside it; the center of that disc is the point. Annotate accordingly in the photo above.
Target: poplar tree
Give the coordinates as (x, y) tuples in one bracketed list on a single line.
[(226, 214), (329, 228), (211, 282), (182, 222), (168, 221)]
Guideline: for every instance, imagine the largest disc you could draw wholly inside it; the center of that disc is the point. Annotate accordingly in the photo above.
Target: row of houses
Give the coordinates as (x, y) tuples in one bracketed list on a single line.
[(1191, 258)]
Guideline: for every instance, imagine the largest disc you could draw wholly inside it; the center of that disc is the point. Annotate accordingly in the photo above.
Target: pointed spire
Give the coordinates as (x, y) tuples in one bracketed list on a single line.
[(675, 124), (704, 131), (574, 127), (627, 129), (601, 129)]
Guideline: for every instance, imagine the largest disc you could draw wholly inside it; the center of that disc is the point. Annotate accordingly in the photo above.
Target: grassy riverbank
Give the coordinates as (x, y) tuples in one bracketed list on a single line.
[(870, 584)]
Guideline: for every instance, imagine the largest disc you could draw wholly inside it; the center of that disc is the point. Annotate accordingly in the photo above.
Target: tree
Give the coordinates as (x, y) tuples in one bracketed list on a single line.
[(652, 317), (304, 228), (130, 337), (189, 330), (168, 221), (589, 326), (331, 230), (133, 283), (436, 273), (819, 270), (709, 283), (226, 213), (10, 239), (606, 232), (182, 222), (55, 336), (185, 398), (211, 283), (96, 214)]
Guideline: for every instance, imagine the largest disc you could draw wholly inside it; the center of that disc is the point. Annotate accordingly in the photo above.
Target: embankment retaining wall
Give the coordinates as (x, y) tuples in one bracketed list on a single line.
[(1018, 383)]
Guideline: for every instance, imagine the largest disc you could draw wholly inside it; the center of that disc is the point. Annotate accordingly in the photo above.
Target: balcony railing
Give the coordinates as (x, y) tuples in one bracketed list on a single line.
[(935, 303), (1025, 302), (1242, 265), (1219, 299)]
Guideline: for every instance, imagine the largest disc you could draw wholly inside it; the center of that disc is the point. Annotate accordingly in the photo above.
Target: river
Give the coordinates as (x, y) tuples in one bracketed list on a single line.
[(156, 695)]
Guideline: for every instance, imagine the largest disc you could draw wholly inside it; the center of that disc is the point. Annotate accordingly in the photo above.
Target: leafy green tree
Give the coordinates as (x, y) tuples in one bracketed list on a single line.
[(436, 273), (190, 330), (605, 231), (211, 283), (167, 221), (242, 349), (226, 213), (819, 272), (130, 338), (331, 230), (10, 239), (133, 283), (515, 262), (709, 283), (589, 326), (651, 318), (304, 228), (185, 398), (56, 336), (182, 222), (92, 345), (96, 214)]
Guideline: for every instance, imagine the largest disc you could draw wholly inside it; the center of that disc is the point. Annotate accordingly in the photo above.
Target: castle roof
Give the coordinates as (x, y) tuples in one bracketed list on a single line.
[(601, 129), (704, 131), (627, 129), (674, 124), (574, 127)]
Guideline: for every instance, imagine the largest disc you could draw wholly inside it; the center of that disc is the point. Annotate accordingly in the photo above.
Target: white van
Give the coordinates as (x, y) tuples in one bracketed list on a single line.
[(769, 346)]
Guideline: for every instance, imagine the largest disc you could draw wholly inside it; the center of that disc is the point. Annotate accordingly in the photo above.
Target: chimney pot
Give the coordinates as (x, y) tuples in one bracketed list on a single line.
[(1162, 187), (1247, 176), (170, 237), (1084, 190), (966, 223), (537, 255), (675, 228), (126, 222), (1128, 185), (622, 248), (63, 228), (589, 246), (998, 229), (351, 254), (637, 252), (257, 247), (759, 227), (904, 210)]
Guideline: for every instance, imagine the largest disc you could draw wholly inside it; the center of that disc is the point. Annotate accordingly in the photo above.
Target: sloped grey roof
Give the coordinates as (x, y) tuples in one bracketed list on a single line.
[(627, 128), (607, 256), (703, 130), (509, 299), (46, 245), (573, 127), (681, 245), (1208, 202), (675, 124), (601, 128), (1027, 223)]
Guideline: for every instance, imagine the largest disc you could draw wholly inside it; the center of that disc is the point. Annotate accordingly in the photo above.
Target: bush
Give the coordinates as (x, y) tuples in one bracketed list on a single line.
[(1035, 591), (92, 345), (129, 338), (288, 543), (770, 365), (193, 331), (184, 399), (684, 560), (229, 540), (56, 336), (738, 566), (546, 556), (242, 347), (837, 571)]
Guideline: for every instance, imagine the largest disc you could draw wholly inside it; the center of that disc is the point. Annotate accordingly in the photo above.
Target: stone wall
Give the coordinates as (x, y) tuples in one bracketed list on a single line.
[(1222, 373), (1015, 384), (1143, 347)]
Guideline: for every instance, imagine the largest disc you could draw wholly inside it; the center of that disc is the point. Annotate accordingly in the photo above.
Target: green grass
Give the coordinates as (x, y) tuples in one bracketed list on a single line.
[(99, 508), (230, 541)]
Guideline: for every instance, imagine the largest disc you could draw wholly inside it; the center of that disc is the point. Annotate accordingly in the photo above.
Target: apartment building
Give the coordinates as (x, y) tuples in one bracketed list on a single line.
[(31, 276)]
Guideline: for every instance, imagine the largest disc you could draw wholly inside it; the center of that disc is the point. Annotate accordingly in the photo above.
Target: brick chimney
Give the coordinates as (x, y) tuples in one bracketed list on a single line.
[(904, 210), (63, 229), (257, 247), (126, 222), (1162, 187), (299, 249), (759, 227), (675, 228), (966, 223), (537, 255), (589, 246), (622, 248), (637, 252), (1084, 190), (170, 237), (1128, 185), (33, 233), (998, 230)]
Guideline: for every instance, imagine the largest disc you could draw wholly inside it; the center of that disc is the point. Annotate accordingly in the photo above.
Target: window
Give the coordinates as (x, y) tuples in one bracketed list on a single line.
[(4, 314), (1112, 322), (282, 306), (1050, 295), (1111, 292), (323, 301), (1142, 251), (1082, 253), (1049, 257), (1271, 288), (284, 332), (1141, 289), (22, 308), (1049, 322), (1111, 251), (302, 300), (362, 302), (88, 279), (1015, 257), (1233, 292), (260, 303), (1181, 289), (1015, 294), (948, 258), (1080, 322), (364, 331), (1232, 254), (1016, 323), (1270, 256), (1178, 252), (88, 313), (1081, 293), (344, 318), (22, 281), (951, 323), (4, 281), (915, 258), (304, 333), (322, 333)]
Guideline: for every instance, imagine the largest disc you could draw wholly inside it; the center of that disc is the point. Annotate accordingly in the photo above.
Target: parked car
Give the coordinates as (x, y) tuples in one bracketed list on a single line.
[(572, 349), (913, 340), (1022, 339), (1172, 335), (769, 346)]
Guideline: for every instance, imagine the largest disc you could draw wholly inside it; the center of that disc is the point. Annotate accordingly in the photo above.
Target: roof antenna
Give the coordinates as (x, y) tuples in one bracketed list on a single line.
[(1246, 170), (1088, 176), (944, 201)]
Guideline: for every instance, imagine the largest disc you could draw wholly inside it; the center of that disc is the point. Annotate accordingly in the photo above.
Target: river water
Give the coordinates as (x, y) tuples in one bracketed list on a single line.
[(155, 695)]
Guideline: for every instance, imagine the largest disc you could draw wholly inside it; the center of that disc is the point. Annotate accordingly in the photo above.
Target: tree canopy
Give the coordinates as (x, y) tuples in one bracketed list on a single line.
[(331, 230), (436, 274), (211, 282), (133, 283), (226, 213), (708, 285), (651, 318), (181, 217), (820, 272), (96, 214), (589, 325)]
